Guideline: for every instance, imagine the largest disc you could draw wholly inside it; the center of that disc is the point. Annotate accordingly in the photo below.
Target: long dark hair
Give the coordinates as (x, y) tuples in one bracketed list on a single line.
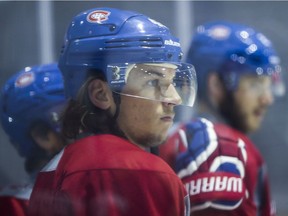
[(82, 116)]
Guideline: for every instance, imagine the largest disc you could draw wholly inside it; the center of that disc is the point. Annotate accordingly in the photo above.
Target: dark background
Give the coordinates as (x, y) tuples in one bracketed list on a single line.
[(32, 32)]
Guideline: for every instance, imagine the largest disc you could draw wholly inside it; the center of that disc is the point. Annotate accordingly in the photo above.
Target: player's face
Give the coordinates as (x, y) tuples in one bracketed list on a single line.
[(145, 122), (252, 99)]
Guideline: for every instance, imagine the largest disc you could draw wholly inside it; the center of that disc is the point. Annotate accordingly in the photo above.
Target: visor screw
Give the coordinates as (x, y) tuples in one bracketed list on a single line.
[(112, 28), (169, 55), (180, 56), (54, 117)]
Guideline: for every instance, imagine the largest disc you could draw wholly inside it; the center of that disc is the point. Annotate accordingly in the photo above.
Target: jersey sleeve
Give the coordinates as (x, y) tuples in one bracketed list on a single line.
[(266, 205), (257, 182)]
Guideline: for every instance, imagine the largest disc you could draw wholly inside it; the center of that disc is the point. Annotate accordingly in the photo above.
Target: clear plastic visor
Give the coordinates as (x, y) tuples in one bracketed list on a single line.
[(270, 81), (165, 82), (263, 84)]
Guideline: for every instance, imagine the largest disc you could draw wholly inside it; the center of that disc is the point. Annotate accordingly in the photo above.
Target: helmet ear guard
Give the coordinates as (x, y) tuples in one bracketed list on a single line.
[(110, 40), (33, 94)]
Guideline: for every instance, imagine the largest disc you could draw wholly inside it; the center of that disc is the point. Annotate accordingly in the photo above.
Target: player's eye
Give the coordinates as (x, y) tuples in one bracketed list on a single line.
[(153, 83)]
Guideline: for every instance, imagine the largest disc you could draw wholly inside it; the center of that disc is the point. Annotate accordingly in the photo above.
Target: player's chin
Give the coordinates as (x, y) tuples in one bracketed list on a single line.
[(161, 136), (164, 131), (165, 123), (160, 141), (254, 124), (153, 140)]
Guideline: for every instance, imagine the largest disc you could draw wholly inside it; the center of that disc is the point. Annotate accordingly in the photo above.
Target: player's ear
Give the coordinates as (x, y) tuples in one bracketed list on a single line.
[(215, 88), (100, 94)]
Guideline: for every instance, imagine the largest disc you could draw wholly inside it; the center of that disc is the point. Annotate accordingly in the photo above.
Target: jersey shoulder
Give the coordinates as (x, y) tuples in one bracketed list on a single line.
[(108, 152)]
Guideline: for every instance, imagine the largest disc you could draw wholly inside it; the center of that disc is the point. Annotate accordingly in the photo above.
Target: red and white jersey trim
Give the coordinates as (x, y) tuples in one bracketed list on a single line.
[(53, 163)]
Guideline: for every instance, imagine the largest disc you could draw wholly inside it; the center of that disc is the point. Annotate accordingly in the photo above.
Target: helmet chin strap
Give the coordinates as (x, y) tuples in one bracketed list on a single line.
[(117, 100), (113, 125)]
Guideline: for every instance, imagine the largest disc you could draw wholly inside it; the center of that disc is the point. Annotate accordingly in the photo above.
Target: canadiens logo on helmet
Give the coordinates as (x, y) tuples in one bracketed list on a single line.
[(25, 79), (98, 16)]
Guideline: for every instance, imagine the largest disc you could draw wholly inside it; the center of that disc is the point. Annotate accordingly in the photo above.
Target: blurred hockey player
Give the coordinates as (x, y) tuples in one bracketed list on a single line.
[(238, 73), (30, 106)]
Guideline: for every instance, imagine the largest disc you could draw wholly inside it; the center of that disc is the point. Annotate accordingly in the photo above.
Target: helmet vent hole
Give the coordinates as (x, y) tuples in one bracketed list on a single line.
[(112, 28)]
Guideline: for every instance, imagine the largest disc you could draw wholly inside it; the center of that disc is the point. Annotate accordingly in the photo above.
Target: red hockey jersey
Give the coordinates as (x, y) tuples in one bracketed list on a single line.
[(14, 200), (206, 156), (107, 175)]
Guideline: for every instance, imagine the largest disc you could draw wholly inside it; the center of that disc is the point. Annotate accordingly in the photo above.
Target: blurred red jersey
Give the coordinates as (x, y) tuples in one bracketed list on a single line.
[(14, 200), (208, 157)]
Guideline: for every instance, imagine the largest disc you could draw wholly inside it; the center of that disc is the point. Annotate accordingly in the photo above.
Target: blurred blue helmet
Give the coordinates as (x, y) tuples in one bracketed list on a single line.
[(110, 40), (33, 94), (232, 49)]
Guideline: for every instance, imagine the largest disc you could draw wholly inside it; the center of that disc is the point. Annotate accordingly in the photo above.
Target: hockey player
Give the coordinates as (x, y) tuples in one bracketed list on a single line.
[(30, 105), (123, 73), (238, 72)]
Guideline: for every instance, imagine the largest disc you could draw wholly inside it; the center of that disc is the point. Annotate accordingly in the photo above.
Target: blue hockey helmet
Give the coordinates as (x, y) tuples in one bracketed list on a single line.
[(33, 94), (232, 49), (113, 42)]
